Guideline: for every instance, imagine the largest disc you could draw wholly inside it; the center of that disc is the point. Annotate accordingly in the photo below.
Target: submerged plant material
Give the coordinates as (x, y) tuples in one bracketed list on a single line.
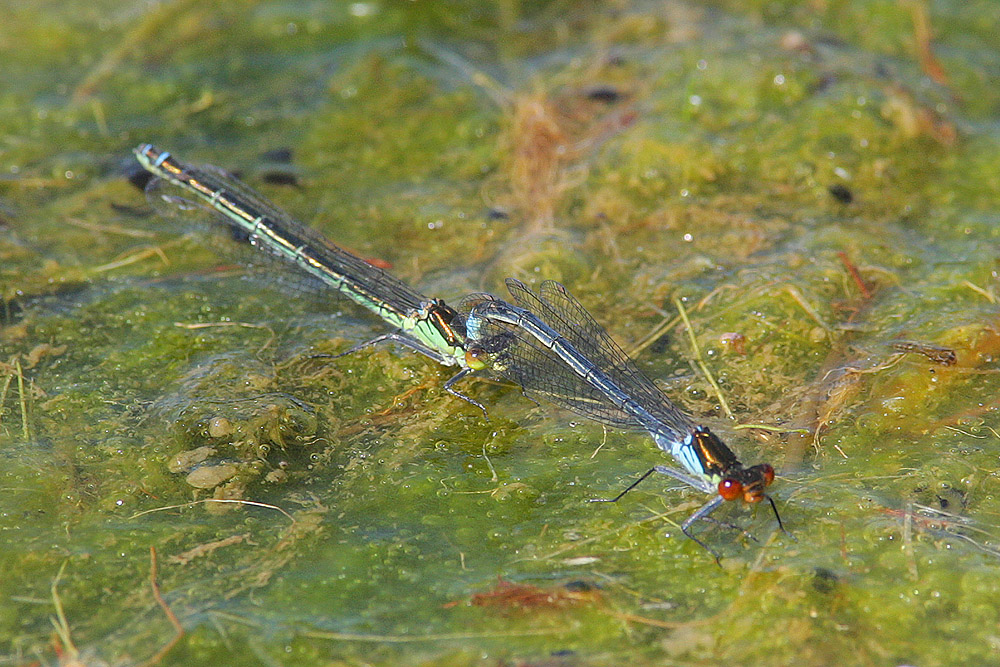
[(510, 597), (811, 182), (938, 354)]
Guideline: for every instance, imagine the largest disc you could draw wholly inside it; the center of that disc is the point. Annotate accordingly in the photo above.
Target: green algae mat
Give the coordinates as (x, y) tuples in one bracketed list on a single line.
[(189, 478)]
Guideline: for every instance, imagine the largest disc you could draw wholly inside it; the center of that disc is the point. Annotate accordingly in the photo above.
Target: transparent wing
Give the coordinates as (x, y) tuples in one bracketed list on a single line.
[(540, 372), (242, 205), (555, 306)]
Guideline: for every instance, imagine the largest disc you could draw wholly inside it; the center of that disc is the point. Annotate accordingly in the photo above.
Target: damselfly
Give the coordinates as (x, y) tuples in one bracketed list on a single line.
[(421, 323), (551, 346)]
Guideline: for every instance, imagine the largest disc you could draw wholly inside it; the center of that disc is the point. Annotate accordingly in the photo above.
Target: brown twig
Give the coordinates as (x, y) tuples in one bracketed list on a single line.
[(925, 51), (178, 628), (855, 275)]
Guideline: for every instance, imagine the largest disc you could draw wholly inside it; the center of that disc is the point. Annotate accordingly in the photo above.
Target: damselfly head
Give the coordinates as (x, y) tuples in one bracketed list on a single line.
[(747, 483)]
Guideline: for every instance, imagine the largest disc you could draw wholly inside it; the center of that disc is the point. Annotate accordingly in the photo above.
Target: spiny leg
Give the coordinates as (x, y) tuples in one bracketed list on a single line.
[(702, 513), (417, 346), (394, 337), (663, 470), (777, 516), (455, 378), (731, 526), (627, 489)]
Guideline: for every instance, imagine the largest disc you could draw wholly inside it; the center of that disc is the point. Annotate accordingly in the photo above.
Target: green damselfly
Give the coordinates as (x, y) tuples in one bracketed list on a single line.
[(419, 322)]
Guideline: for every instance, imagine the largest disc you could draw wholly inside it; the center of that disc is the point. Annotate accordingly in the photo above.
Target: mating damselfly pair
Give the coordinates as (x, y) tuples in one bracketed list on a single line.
[(546, 342)]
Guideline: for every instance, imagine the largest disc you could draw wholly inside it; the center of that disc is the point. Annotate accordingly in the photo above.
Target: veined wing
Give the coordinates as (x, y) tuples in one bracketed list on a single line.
[(271, 229), (541, 373), (555, 306)]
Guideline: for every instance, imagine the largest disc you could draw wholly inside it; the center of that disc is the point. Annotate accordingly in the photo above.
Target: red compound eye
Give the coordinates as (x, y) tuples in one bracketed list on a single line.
[(730, 489)]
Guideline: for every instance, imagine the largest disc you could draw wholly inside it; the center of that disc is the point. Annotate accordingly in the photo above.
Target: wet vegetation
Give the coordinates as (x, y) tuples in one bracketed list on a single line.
[(186, 480)]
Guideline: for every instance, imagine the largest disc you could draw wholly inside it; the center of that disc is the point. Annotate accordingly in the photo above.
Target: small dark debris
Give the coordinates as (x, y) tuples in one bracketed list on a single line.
[(275, 177), (282, 155), (823, 83), (11, 312), (131, 211), (616, 60), (137, 176), (579, 586), (660, 345), (841, 193), (604, 93), (957, 497), (494, 213), (825, 581), (239, 234)]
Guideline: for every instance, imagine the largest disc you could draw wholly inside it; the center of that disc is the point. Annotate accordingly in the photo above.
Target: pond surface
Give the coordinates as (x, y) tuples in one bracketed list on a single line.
[(186, 480)]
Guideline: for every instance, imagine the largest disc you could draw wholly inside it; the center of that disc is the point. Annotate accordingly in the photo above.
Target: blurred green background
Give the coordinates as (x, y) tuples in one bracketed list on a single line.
[(814, 181)]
